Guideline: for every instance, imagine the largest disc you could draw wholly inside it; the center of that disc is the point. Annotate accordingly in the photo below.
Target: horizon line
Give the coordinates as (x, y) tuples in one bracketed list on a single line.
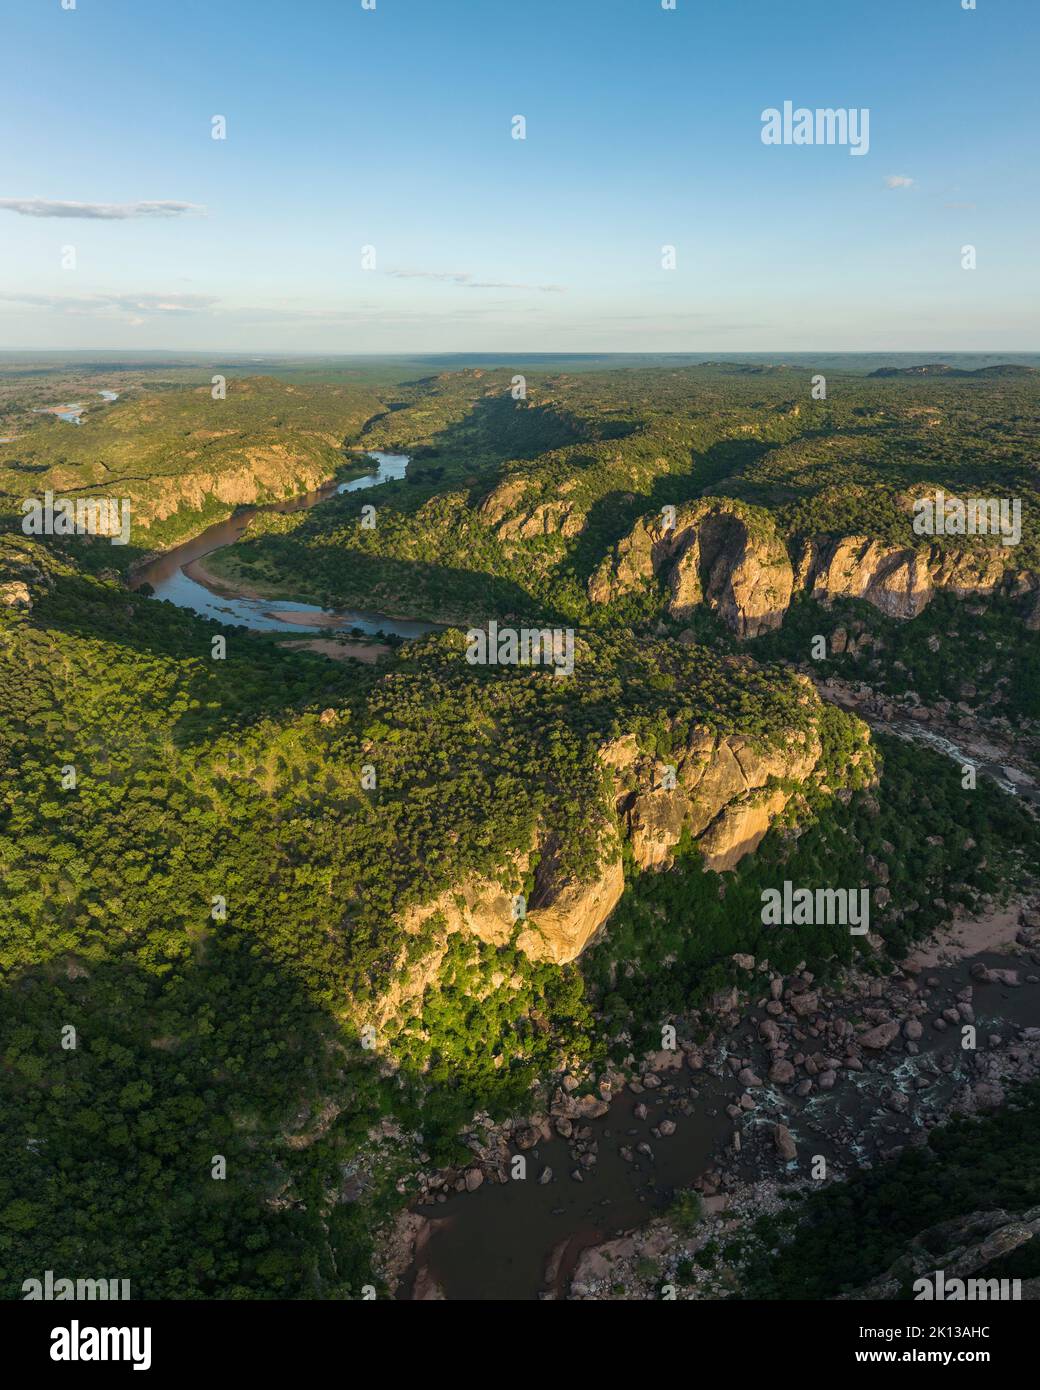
[(529, 352)]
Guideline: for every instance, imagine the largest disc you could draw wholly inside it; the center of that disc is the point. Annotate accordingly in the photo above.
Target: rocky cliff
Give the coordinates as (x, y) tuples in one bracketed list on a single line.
[(962, 1248), (27, 570), (515, 515), (267, 473), (563, 914), (731, 558), (901, 582), (724, 791), (718, 552)]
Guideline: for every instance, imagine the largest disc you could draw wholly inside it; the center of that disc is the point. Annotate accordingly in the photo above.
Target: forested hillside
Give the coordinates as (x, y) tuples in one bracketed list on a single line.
[(259, 906), (186, 456), (579, 460)]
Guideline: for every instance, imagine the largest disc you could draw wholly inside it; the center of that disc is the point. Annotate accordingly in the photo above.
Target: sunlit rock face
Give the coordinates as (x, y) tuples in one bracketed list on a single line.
[(728, 557), (719, 553), (724, 795)]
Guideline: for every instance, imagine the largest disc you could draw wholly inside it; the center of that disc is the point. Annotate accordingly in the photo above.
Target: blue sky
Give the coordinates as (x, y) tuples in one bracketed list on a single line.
[(392, 128)]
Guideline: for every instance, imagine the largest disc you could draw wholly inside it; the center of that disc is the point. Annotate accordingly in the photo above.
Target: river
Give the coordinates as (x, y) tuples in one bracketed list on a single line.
[(521, 1240), (968, 747), (174, 576)]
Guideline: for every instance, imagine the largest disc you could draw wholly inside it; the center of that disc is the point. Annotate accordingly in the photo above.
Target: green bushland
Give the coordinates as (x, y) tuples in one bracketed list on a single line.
[(919, 835), (198, 1036), (240, 1037), (838, 1239)]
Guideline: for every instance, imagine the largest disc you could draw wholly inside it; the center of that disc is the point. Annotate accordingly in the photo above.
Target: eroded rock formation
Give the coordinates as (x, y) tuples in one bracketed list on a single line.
[(719, 552), (724, 791), (514, 516), (26, 572), (900, 582), (729, 557)]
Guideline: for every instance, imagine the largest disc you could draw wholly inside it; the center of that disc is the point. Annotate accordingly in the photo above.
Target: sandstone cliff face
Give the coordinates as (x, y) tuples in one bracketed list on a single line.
[(637, 558), (898, 581), (566, 913), (719, 552), (729, 557), (514, 518), (740, 829), (562, 916), (895, 581), (266, 474), (721, 795), (726, 793)]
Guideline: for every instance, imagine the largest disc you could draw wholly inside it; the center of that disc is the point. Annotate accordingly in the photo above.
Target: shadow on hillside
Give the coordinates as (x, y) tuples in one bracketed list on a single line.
[(613, 516), (221, 1052), (339, 578), (256, 680)]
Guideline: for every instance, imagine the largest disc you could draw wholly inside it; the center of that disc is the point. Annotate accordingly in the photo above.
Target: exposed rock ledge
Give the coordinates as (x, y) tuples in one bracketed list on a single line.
[(901, 581), (26, 572), (725, 792), (729, 556), (563, 916), (515, 517), (719, 552), (268, 473)]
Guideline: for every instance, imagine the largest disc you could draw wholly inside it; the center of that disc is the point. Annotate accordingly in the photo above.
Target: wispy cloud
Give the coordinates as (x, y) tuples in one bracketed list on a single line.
[(466, 280), (898, 181), (132, 306), (47, 207)]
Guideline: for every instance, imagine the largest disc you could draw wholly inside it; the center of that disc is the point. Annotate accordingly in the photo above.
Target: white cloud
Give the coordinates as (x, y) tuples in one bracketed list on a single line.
[(898, 181), (109, 305), (46, 207), (466, 280)]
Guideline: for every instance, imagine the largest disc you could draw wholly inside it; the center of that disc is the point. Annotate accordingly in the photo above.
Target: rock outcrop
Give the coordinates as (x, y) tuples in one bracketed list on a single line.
[(15, 594), (267, 473), (720, 552), (898, 581), (740, 829), (515, 517), (563, 914), (729, 557), (959, 1249), (26, 572), (723, 790)]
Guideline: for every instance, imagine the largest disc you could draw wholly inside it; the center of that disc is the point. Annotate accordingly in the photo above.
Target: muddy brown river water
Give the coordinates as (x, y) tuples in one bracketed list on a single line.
[(520, 1240)]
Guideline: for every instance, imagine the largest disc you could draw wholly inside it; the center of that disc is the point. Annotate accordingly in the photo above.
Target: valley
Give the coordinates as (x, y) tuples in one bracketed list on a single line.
[(479, 904)]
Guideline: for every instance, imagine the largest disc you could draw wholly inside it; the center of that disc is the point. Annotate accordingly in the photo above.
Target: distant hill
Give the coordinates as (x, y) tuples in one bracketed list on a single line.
[(944, 369)]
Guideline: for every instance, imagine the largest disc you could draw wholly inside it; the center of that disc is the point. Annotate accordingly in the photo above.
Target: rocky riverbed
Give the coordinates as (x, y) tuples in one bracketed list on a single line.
[(994, 747), (790, 1080)]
